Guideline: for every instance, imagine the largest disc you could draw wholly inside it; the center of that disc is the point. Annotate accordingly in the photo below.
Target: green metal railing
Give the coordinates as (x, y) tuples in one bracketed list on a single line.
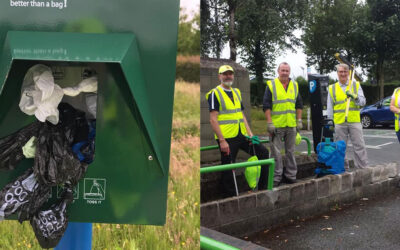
[(211, 244), (270, 162), (262, 141)]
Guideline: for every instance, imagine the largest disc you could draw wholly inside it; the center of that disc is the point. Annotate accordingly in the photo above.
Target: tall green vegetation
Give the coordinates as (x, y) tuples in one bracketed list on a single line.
[(367, 32), (257, 30), (189, 35)]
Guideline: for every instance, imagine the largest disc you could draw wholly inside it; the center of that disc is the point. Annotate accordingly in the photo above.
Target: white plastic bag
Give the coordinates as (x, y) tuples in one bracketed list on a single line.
[(40, 95), (88, 85), (91, 104), (29, 149)]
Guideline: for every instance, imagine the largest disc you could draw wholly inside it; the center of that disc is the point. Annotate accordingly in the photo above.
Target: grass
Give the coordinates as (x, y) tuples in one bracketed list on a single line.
[(192, 59), (182, 229), (258, 122)]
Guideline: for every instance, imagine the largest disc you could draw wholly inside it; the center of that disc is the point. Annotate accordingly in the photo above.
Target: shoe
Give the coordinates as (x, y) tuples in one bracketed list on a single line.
[(277, 183), (289, 181)]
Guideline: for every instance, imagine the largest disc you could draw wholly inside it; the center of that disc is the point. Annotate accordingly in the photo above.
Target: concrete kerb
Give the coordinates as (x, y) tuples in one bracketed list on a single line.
[(227, 239), (256, 211)]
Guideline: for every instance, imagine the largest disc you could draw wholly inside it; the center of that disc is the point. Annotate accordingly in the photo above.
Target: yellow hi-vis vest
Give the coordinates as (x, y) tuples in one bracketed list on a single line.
[(283, 113), (230, 115), (396, 103), (339, 99)]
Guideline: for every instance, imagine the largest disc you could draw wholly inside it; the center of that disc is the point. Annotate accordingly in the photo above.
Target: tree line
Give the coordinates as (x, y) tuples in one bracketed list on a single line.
[(367, 32), (188, 34)]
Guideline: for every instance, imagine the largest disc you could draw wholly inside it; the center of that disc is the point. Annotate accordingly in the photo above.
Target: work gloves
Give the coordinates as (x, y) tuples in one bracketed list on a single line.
[(253, 139), (271, 127), (299, 124), (351, 95)]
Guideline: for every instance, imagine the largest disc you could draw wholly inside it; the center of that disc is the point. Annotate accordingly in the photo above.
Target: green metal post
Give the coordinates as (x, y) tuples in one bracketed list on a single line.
[(271, 172), (308, 144), (270, 162), (208, 148), (211, 244), (236, 165)]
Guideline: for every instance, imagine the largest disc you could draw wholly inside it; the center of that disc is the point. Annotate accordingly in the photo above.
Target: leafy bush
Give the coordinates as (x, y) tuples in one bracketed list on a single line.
[(188, 68)]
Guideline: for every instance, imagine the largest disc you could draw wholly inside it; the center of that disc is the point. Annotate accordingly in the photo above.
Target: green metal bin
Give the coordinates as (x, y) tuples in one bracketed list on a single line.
[(132, 47)]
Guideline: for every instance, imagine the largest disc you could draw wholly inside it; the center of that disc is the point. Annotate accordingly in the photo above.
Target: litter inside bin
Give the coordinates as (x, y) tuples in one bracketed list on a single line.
[(29, 149), (40, 95), (11, 146), (49, 225), (62, 144)]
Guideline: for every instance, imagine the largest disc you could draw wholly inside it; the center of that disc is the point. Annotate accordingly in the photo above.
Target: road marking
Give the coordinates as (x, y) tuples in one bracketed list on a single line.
[(375, 147), (381, 136), (388, 143)]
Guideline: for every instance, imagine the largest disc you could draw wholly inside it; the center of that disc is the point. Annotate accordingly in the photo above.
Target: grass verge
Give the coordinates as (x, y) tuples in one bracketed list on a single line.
[(182, 229)]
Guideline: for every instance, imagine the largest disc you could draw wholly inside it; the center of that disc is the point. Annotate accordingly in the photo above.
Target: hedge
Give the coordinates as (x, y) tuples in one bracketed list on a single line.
[(188, 68)]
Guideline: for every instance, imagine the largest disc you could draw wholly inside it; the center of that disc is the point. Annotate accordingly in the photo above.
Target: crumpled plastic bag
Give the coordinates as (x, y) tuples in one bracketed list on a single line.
[(88, 85), (11, 146), (55, 163), (29, 149), (252, 174), (49, 225), (40, 96), (38, 198), (298, 139), (22, 196), (332, 154), (91, 104)]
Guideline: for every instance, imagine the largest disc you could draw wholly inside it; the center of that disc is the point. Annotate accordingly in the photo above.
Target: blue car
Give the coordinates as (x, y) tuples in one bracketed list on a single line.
[(377, 114)]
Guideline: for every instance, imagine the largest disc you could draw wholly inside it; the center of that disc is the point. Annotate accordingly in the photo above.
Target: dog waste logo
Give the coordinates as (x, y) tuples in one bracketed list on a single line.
[(94, 190)]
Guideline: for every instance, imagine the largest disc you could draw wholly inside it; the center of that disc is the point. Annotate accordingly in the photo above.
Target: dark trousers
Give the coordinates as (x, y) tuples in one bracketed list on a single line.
[(236, 143), (398, 135)]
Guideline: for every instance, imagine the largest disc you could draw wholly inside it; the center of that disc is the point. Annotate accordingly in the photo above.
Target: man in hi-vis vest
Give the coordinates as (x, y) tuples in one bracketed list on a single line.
[(231, 129), (395, 108), (336, 108), (282, 105)]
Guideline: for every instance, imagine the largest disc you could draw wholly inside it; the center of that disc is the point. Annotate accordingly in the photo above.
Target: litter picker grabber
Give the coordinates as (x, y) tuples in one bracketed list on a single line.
[(234, 176), (348, 98)]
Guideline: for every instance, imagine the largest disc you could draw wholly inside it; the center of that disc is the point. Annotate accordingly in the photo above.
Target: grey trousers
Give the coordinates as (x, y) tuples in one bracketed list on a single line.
[(353, 132), (289, 136)]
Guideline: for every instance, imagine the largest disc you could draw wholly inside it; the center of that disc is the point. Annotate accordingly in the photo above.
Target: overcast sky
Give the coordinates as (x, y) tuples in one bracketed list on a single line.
[(296, 60), (191, 6)]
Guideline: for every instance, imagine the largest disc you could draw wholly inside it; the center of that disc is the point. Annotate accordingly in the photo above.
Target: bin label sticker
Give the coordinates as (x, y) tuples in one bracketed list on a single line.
[(94, 189), (75, 191), (56, 4)]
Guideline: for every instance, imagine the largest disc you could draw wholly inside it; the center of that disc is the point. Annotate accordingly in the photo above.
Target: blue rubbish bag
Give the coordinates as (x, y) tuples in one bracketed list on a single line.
[(330, 158)]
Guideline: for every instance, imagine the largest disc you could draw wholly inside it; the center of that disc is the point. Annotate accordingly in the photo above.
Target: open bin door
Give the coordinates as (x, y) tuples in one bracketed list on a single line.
[(127, 182)]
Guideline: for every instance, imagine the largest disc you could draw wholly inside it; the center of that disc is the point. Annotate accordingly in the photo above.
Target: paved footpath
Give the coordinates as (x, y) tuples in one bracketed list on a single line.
[(365, 224)]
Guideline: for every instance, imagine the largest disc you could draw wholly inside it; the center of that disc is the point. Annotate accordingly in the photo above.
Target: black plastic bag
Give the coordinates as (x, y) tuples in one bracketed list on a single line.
[(21, 194), (11, 146), (55, 163), (36, 201), (49, 225)]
